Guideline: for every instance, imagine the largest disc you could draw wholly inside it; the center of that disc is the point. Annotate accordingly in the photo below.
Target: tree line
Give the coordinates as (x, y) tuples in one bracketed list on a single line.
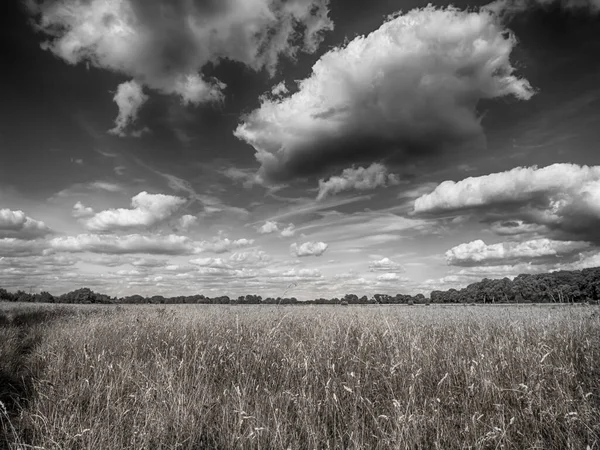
[(555, 287)]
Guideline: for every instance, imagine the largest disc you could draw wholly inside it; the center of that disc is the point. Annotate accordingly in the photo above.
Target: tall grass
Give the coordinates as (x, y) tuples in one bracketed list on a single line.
[(220, 377)]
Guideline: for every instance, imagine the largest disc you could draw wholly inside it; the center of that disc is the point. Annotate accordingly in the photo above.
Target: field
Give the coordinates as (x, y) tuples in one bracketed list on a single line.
[(305, 377)]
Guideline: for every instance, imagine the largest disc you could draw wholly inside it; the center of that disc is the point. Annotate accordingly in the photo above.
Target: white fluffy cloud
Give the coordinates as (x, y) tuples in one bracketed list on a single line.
[(146, 210), (80, 210), (224, 245), (132, 243), (270, 226), (478, 252), (164, 44), (15, 224), (385, 265), (308, 249), (288, 231), (388, 277), (129, 98), (412, 85), (360, 179), (564, 198), (187, 221)]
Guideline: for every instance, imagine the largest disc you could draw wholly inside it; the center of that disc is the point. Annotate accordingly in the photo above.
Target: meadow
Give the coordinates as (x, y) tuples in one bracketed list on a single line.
[(302, 377)]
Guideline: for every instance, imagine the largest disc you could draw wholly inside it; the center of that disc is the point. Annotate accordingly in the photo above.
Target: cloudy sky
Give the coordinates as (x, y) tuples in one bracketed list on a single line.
[(307, 147)]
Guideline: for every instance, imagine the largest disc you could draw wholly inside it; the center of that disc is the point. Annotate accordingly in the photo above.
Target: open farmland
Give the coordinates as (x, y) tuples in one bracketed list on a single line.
[(225, 377)]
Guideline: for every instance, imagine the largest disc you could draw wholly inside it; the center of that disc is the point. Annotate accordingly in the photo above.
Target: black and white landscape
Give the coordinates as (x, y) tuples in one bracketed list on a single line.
[(239, 147), (333, 152)]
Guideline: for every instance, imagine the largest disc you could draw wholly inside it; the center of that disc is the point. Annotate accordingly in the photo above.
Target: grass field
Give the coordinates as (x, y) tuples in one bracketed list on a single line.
[(320, 377)]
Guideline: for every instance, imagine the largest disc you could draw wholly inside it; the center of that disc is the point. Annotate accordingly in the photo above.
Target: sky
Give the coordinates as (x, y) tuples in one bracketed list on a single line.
[(305, 148)]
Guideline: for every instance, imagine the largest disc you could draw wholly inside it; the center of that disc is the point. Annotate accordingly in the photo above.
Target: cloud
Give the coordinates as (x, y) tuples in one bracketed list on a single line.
[(298, 274), (279, 89), (212, 204), (238, 260), (105, 186), (15, 224), (247, 177), (512, 7), (516, 228), (187, 221), (412, 86), (80, 210), (387, 277), (385, 265), (288, 231), (32, 262), (359, 179), (13, 247), (148, 262), (132, 243), (129, 98), (146, 210), (165, 44), (269, 227), (562, 198), (108, 260), (224, 245), (479, 253), (83, 189), (308, 249)]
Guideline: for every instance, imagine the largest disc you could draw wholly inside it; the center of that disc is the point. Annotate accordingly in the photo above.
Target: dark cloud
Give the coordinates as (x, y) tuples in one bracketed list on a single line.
[(407, 89)]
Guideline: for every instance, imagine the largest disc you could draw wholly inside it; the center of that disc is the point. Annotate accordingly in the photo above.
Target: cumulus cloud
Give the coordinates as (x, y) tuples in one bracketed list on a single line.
[(224, 245), (288, 231), (269, 227), (80, 210), (129, 98), (164, 44), (479, 253), (236, 261), (187, 221), (146, 210), (563, 198), (385, 265), (13, 247), (387, 277), (360, 179), (132, 243), (308, 249), (15, 224), (254, 258), (411, 86)]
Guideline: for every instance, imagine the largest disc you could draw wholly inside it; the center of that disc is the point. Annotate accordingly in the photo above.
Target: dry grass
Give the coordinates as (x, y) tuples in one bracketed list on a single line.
[(222, 377)]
